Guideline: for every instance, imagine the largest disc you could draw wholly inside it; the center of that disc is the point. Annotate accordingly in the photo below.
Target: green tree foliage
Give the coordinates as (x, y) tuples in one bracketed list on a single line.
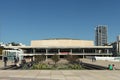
[(55, 58), (40, 66), (14, 44), (40, 58), (72, 58)]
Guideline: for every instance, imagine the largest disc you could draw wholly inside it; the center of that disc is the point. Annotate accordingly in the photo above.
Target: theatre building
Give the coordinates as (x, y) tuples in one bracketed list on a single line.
[(63, 47)]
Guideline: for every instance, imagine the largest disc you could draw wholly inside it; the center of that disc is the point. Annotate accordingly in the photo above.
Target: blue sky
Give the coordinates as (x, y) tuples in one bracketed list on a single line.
[(26, 20)]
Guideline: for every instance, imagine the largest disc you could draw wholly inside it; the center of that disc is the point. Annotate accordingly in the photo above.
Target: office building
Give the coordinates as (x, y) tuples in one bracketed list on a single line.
[(101, 35), (118, 44)]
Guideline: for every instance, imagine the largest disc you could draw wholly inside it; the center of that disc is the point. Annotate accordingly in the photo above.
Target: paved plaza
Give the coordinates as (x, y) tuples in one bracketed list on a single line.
[(59, 75), (63, 74)]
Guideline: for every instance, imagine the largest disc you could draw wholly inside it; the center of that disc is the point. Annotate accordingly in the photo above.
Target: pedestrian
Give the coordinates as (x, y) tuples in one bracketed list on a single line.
[(113, 67), (15, 60), (5, 59), (23, 61), (93, 59), (110, 67), (31, 62)]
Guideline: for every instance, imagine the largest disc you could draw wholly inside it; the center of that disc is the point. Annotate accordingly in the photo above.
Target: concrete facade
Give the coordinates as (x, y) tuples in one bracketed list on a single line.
[(63, 47), (62, 43)]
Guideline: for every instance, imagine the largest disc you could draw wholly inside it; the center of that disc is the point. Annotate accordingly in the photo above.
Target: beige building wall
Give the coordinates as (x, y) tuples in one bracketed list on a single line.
[(62, 43)]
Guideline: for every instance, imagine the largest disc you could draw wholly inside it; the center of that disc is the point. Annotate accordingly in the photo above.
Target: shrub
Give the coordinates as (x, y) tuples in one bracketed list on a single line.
[(74, 66), (72, 58), (40, 66)]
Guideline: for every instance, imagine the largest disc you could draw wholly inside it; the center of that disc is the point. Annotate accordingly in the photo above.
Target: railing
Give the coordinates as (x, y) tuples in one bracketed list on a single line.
[(70, 53)]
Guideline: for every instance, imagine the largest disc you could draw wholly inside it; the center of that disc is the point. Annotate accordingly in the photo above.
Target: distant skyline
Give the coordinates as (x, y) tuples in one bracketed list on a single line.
[(26, 20)]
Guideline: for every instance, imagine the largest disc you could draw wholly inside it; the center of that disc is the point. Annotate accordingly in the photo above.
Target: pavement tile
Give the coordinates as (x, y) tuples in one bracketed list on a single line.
[(59, 75), (44, 77)]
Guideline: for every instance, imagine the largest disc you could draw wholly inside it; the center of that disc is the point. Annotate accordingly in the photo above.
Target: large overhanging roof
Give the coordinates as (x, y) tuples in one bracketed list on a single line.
[(57, 47)]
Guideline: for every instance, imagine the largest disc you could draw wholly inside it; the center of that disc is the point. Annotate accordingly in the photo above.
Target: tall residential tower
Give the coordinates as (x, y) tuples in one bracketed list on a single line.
[(101, 35), (118, 44)]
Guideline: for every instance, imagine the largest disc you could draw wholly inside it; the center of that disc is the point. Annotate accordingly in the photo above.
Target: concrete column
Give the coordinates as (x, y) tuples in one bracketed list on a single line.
[(83, 54), (99, 51), (46, 57), (58, 51), (46, 54), (71, 51), (33, 51), (107, 51), (95, 51), (46, 51)]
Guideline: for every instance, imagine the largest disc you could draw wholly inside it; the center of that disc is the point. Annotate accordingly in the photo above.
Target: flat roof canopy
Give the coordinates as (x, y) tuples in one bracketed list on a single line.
[(57, 47)]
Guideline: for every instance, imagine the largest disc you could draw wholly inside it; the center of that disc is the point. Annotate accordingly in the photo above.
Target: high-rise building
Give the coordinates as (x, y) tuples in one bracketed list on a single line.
[(118, 44), (101, 35)]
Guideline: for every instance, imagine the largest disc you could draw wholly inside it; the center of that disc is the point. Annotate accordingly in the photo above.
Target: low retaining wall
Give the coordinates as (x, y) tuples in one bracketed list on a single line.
[(108, 58)]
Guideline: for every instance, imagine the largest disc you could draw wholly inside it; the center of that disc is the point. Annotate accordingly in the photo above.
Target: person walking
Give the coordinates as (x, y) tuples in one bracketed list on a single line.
[(113, 67), (15, 60), (5, 59)]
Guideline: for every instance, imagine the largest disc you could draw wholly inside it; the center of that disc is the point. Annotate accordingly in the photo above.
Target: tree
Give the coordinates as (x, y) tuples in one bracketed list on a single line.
[(72, 58), (13, 44), (39, 58), (1, 48), (55, 58)]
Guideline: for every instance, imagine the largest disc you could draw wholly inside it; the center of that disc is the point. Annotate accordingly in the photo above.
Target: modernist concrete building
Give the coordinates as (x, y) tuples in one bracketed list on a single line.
[(62, 47), (58, 42)]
